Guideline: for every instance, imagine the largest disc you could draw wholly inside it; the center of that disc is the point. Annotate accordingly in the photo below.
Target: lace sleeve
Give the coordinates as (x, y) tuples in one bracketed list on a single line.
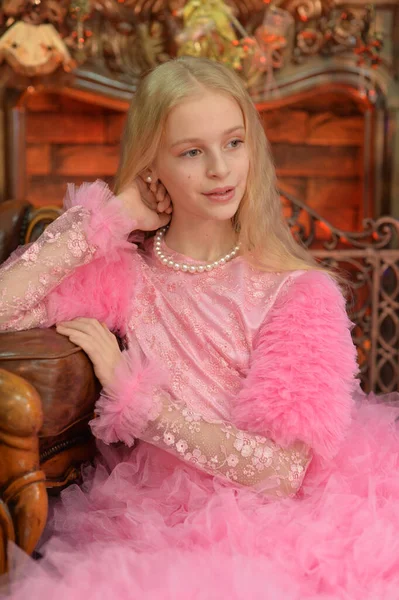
[(27, 278), (222, 449), (135, 406), (85, 231)]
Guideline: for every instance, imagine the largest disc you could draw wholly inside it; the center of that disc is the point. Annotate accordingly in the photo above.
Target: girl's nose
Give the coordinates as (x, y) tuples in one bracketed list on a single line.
[(218, 166)]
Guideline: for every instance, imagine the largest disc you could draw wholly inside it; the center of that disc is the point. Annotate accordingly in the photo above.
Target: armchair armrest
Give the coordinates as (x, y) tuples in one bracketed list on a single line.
[(59, 370), (47, 393), (23, 491)]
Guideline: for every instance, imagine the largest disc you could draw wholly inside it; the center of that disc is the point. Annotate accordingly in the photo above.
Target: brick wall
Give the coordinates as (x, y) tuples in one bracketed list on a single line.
[(68, 141), (318, 152), (317, 148)]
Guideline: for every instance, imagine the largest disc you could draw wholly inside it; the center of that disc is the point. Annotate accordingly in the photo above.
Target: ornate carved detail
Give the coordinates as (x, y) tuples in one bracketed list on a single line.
[(370, 261), (22, 483), (123, 38), (322, 28), (7, 533)]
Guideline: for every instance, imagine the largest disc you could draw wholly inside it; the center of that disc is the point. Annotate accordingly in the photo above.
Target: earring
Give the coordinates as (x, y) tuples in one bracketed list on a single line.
[(148, 179)]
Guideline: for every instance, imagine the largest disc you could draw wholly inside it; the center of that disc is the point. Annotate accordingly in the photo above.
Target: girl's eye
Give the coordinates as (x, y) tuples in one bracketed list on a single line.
[(235, 143), (191, 153), (195, 152)]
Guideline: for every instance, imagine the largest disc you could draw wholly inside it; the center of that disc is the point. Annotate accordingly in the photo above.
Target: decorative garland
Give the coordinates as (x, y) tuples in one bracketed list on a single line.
[(39, 36)]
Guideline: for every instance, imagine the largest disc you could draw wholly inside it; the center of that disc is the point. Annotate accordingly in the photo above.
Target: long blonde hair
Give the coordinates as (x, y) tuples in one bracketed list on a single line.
[(265, 237)]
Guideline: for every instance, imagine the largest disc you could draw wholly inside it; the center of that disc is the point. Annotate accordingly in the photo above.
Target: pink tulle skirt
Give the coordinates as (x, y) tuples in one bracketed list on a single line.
[(145, 526)]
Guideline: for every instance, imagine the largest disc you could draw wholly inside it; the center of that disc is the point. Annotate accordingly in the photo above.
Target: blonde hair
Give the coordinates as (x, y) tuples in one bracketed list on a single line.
[(265, 237)]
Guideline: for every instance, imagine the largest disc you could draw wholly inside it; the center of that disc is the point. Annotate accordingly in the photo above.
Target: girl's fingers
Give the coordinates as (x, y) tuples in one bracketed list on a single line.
[(97, 341), (165, 202), (155, 195), (164, 205), (160, 194), (146, 194), (85, 325)]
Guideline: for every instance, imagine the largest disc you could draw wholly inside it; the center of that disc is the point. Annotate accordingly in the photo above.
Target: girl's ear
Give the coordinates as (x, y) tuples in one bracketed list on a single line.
[(150, 175), (147, 176)]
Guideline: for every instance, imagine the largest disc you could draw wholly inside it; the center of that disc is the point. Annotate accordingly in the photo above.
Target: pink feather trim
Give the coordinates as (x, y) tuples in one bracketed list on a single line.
[(109, 225), (303, 368), (101, 289), (130, 402)]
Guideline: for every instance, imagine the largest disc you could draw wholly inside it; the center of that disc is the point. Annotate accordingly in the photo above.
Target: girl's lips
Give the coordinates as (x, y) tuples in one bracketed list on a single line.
[(220, 190), (221, 196)]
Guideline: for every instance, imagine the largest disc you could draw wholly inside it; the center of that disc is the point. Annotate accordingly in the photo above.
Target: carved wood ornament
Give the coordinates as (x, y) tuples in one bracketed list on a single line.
[(119, 39)]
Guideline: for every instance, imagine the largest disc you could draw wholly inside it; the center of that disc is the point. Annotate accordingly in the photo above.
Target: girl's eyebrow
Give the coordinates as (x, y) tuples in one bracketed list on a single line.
[(197, 140)]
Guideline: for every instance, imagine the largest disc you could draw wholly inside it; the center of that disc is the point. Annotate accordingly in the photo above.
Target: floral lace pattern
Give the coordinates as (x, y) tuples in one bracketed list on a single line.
[(33, 271), (219, 448), (201, 328)]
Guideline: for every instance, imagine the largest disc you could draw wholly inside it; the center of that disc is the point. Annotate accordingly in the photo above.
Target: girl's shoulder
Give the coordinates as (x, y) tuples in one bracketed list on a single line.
[(285, 282), (299, 291), (298, 279)]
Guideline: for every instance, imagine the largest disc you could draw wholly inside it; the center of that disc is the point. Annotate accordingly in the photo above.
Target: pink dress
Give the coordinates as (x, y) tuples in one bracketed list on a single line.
[(261, 470)]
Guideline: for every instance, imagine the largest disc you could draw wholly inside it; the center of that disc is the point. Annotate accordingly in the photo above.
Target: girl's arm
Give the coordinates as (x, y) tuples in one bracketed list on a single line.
[(94, 226), (217, 448), (303, 368), (297, 396), (224, 450)]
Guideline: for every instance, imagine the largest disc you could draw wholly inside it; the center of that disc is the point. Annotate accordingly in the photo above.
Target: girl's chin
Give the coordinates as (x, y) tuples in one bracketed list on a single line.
[(222, 215), (212, 212), (224, 211)]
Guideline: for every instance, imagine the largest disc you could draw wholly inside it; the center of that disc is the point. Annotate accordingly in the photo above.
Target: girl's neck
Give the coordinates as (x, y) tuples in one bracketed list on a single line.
[(203, 242)]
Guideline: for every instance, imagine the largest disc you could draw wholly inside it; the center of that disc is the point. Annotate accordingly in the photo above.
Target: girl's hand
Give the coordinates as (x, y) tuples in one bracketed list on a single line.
[(147, 203), (97, 341)]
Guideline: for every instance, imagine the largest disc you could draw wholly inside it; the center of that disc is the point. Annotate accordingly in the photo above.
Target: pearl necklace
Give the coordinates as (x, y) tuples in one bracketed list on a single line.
[(183, 266)]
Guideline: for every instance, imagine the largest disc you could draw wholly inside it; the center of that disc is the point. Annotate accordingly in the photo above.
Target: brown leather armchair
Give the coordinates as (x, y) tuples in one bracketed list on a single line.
[(47, 394)]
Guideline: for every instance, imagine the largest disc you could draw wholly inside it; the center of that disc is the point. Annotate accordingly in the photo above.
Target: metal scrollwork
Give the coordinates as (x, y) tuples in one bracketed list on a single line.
[(312, 230)]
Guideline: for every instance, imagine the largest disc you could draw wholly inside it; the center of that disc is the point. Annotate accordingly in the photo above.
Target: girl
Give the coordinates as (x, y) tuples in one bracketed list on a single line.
[(256, 473)]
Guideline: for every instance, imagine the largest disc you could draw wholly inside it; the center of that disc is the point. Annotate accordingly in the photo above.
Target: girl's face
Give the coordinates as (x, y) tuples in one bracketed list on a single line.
[(203, 159)]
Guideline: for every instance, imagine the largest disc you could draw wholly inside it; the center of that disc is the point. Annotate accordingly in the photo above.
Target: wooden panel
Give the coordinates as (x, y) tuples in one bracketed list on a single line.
[(339, 202), (285, 125), (327, 129), (340, 103), (38, 160), (296, 186), (323, 161), (43, 102), (65, 128), (114, 124), (85, 160), (43, 191), (69, 104)]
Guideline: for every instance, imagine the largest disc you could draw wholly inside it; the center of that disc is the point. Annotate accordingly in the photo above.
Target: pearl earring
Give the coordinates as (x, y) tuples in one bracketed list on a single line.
[(148, 179)]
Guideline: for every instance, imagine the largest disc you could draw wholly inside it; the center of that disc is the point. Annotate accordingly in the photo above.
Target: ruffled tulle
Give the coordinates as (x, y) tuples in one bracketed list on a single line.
[(128, 402), (144, 525), (109, 224), (94, 289), (301, 381)]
